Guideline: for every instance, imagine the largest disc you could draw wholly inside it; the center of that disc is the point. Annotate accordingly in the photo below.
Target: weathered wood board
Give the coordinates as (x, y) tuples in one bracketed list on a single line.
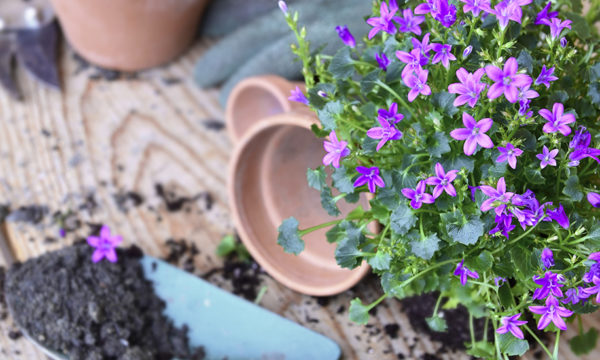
[(100, 136)]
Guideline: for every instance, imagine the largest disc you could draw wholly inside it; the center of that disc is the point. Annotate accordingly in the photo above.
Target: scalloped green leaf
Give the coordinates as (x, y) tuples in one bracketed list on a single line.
[(289, 236)]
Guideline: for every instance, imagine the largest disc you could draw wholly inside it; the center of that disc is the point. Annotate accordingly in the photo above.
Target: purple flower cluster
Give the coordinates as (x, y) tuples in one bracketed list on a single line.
[(442, 181), (336, 150), (387, 131), (580, 145), (469, 87), (441, 10)]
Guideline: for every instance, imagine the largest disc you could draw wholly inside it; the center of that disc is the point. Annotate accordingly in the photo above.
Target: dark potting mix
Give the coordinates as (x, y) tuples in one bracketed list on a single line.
[(90, 310)]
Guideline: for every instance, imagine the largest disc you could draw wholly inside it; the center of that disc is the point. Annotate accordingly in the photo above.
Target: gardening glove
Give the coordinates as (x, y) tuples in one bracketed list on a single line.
[(262, 46)]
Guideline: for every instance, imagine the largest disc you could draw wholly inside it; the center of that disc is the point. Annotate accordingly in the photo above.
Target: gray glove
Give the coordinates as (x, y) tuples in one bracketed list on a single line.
[(262, 46)]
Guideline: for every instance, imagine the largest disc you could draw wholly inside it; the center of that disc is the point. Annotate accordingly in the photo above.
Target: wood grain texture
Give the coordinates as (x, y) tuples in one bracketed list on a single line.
[(100, 137)]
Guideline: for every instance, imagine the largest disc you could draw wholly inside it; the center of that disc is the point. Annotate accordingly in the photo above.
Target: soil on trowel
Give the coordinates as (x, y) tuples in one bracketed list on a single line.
[(94, 311)]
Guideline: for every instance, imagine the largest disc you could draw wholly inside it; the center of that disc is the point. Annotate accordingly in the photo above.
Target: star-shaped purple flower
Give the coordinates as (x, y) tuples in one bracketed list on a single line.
[(336, 150), (551, 312), (547, 157), (476, 6), (346, 35), (550, 285), (382, 60), (105, 245), (594, 199), (560, 216), (512, 323), (544, 17), (509, 153), (442, 181), (418, 196), (469, 87), (298, 96), (423, 46), (473, 133), (463, 272), (546, 75), (557, 120), (385, 21), (413, 61), (576, 295), (417, 82), (506, 81), (447, 13), (442, 54), (498, 197), (557, 26), (387, 131), (392, 115), (547, 258), (369, 176), (409, 23)]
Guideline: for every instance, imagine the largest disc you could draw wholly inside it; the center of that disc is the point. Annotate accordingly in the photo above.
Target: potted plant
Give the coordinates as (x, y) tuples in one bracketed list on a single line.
[(475, 125), (129, 35)]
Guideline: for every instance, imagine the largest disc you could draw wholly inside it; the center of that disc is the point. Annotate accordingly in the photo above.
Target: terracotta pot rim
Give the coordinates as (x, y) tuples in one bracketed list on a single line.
[(304, 121)]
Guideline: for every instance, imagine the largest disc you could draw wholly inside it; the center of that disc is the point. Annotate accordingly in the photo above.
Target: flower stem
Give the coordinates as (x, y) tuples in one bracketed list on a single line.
[(539, 341), (318, 227), (471, 330), (556, 342), (398, 97)]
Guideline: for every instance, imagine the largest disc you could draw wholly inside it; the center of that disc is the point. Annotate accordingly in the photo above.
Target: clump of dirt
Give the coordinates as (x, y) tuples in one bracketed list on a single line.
[(94, 311)]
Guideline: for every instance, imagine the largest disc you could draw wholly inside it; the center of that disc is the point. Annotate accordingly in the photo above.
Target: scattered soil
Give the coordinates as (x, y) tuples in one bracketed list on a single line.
[(94, 311), (174, 202), (31, 214), (215, 125), (125, 200)]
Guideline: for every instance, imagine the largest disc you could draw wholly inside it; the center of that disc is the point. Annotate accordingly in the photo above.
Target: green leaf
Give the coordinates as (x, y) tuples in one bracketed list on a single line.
[(380, 212), (506, 298), (525, 61), (359, 313), (594, 93), (226, 246), (459, 162), (425, 248), (402, 219), (560, 96), (328, 114), (342, 64), (437, 323), (347, 252), (335, 234), (529, 141), (342, 181), (438, 145), (534, 176), (328, 202), (572, 189), (576, 6), (594, 72), (445, 102), (482, 263), (512, 346), (368, 82), (524, 261), (320, 133), (316, 178), (482, 349), (466, 231), (579, 25), (381, 261), (289, 236)]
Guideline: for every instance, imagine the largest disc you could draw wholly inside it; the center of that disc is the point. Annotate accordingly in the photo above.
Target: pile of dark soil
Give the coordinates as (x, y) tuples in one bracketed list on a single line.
[(94, 311)]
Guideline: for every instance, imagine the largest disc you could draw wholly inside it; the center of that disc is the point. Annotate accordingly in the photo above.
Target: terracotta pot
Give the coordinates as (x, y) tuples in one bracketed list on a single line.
[(129, 35), (267, 184)]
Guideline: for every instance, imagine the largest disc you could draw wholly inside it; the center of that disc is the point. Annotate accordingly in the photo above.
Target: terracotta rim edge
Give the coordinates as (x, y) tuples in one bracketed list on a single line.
[(294, 119)]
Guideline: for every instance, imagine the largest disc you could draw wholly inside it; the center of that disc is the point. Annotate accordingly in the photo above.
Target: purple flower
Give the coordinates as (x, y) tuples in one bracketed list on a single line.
[(545, 77), (62, 232), (544, 17), (442, 181), (463, 272), (594, 199), (382, 60), (423, 46), (409, 23), (447, 14), (575, 295), (467, 51), (384, 21), (557, 120), (336, 150), (105, 245), (499, 280), (551, 312), (503, 224), (283, 7), (417, 82), (473, 190), (506, 11), (298, 96), (418, 196), (346, 36), (580, 143), (594, 290), (550, 284), (369, 176), (322, 94), (557, 26), (429, 7), (443, 54), (473, 133), (498, 197), (511, 323), (476, 6), (413, 61), (469, 87), (524, 98), (506, 81), (563, 42), (387, 131), (547, 258), (509, 153), (559, 216), (547, 157)]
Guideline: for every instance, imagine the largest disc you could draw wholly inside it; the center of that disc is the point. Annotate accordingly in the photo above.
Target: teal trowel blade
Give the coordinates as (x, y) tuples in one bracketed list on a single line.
[(230, 327)]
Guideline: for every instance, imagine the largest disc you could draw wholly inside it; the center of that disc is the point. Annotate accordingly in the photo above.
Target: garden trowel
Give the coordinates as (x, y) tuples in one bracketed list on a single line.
[(29, 33)]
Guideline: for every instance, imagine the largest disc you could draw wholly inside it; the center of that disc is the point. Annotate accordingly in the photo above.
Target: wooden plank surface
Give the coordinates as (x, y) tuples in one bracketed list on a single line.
[(101, 137)]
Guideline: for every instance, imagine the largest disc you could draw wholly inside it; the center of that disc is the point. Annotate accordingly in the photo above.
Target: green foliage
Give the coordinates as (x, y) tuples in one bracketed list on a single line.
[(347, 252), (437, 323), (402, 219), (289, 236), (425, 247), (229, 245), (462, 229), (359, 313), (584, 343), (512, 346)]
